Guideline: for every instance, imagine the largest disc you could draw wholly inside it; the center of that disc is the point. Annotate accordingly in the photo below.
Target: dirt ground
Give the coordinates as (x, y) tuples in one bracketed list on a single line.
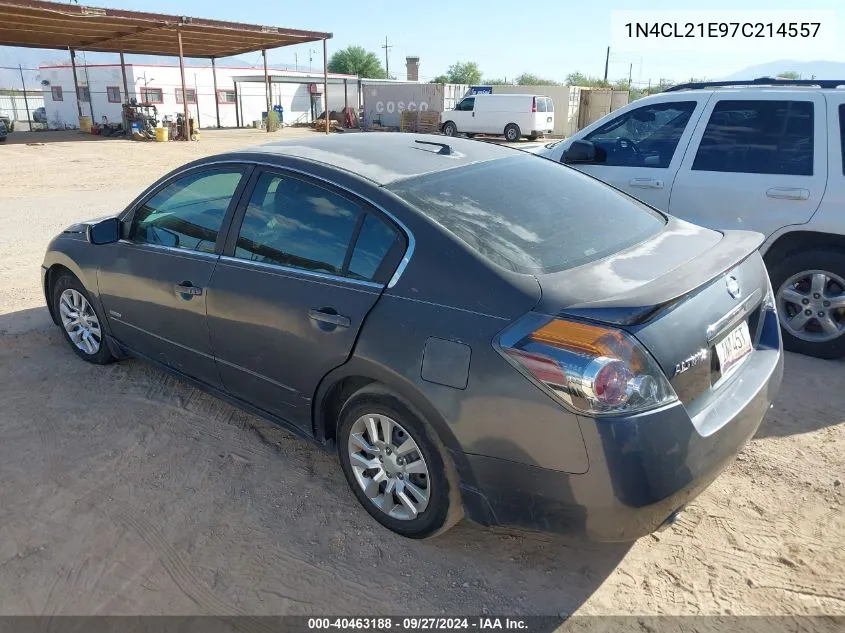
[(125, 491)]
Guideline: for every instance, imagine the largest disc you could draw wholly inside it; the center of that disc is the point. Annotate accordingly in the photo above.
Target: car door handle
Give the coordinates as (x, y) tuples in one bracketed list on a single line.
[(327, 317), (646, 183), (187, 288), (788, 193)]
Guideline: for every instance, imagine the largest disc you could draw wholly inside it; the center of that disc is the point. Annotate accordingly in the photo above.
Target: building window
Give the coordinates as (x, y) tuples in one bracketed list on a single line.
[(152, 95), (113, 93), (226, 96), (192, 95), (56, 91), (84, 94)]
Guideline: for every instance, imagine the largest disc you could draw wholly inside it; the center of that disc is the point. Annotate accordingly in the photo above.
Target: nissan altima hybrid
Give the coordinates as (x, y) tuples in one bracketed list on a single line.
[(476, 331)]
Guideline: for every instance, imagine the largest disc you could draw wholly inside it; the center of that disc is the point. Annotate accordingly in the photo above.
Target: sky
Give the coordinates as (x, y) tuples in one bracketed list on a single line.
[(506, 38)]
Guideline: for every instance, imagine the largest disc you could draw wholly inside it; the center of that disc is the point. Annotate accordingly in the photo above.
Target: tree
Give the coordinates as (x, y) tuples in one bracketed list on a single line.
[(497, 82), (580, 79), (460, 73), (355, 60), (789, 74), (530, 79)]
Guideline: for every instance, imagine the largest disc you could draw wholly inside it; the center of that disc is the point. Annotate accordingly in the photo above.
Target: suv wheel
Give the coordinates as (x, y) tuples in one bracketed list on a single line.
[(396, 466), (810, 297)]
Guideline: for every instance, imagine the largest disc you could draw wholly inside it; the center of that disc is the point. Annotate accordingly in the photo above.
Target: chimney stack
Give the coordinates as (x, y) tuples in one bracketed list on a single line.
[(412, 65)]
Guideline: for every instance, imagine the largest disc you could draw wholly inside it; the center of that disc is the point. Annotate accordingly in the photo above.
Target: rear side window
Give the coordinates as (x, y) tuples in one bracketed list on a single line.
[(290, 222), (374, 241), (758, 137), (530, 215), (541, 104), (842, 134)]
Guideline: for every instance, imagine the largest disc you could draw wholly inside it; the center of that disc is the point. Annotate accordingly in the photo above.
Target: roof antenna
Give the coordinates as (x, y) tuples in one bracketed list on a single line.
[(445, 148)]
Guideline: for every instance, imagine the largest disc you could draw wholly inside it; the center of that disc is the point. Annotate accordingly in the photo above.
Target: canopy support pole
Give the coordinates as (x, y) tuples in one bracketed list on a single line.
[(216, 94), (267, 88), (125, 81), (186, 126), (326, 84)]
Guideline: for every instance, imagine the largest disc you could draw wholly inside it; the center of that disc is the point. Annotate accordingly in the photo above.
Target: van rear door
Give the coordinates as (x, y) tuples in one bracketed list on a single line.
[(544, 117)]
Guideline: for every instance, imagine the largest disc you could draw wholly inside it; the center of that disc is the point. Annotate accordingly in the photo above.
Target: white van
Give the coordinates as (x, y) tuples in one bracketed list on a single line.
[(512, 116)]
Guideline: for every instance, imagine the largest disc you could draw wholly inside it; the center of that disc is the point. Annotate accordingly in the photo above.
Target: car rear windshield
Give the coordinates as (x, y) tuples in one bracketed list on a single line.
[(529, 214)]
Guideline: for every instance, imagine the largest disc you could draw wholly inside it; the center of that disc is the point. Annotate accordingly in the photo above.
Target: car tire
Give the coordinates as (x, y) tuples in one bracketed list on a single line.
[(429, 472), (449, 128), (792, 278), (72, 304), (512, 132)]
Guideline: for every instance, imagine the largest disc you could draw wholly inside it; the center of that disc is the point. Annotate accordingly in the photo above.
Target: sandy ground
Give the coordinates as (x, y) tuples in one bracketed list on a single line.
[(125, 491)]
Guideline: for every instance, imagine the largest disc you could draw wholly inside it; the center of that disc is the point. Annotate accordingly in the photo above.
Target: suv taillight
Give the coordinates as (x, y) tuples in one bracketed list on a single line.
[(534, 104), (590, 368)]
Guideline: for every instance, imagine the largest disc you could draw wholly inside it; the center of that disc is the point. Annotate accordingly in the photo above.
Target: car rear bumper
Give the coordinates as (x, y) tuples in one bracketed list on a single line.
[(643, 469)]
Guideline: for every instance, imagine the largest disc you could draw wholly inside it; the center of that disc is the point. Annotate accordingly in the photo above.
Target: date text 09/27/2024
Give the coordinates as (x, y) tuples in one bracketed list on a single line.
[(387, 623)]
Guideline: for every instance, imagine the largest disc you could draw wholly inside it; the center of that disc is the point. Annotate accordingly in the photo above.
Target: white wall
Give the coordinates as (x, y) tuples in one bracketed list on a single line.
[(293, 97)]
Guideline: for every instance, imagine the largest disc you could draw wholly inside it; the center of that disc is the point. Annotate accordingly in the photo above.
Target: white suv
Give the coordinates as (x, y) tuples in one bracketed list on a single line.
[(763, 155)]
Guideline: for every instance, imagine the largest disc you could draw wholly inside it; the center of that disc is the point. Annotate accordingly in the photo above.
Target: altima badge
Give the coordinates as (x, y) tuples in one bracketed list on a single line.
[(734, 289), (699, 357)]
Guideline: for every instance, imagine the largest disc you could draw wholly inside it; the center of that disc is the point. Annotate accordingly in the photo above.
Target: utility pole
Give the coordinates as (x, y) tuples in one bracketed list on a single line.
[(386, 60), (630, 68), (606, 62)]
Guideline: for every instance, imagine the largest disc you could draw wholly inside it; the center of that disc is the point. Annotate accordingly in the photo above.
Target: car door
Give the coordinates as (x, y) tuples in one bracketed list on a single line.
[(304, 264), (463, 115), (154, 281), (641, 149), (757, 161)]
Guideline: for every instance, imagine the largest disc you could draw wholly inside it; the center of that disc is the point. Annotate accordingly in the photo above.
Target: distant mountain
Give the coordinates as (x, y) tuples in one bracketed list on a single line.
[(807, 70), (32, 58)]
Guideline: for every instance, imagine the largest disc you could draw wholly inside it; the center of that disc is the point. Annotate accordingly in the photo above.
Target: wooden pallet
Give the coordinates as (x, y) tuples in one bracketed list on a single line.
[(429, 122)]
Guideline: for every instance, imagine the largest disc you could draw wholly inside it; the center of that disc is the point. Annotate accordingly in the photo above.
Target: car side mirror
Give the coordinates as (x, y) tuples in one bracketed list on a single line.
[(583, 152), (104, 231)]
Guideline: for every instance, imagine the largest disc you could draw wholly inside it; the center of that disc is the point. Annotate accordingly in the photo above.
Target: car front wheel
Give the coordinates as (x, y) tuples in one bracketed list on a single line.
[(396, 467), (80, 323), (810, 296)]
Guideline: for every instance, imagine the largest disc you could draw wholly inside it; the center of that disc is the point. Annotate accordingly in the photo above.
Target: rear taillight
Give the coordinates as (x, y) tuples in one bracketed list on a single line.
[(594, 369), (534, 104)]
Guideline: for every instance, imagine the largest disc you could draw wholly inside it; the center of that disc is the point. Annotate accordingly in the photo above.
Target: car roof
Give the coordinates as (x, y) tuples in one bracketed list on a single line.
[(385, 158)]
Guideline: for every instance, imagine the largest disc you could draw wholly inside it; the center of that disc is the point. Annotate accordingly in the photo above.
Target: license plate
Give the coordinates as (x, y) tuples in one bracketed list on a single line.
[(734, 347)]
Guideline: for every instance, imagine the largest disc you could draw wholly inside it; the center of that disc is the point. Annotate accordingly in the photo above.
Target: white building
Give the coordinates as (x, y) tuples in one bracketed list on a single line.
[(102, 93)]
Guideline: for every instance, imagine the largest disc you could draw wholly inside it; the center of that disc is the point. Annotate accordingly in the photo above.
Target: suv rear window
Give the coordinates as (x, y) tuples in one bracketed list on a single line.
[(531, 215)]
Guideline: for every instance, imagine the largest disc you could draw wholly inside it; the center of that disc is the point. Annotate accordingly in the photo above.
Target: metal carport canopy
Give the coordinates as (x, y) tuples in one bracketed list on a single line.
[(35, 24)]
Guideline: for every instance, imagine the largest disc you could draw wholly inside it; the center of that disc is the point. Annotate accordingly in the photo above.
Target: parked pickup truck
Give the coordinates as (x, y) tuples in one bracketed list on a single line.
[(763, 155)]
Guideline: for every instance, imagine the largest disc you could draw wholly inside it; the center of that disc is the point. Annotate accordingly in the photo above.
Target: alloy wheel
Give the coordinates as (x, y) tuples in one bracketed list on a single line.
[(389, 466), (80, 321), (811, 305)]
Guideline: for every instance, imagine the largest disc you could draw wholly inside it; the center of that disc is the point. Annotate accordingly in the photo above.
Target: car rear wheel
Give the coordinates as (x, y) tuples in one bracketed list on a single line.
[(396, 466), (512, 132), (450, 129), (810, 296), (80, 323)]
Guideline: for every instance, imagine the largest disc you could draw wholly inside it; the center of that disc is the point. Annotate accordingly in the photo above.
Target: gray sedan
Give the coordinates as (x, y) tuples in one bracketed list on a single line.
[(475, 332)]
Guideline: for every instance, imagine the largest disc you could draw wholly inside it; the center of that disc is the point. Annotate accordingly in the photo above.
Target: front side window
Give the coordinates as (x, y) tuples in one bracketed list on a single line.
[(290, 222), (531, 216), (187, 213), (645, 136), (466, 105), (758, 137)]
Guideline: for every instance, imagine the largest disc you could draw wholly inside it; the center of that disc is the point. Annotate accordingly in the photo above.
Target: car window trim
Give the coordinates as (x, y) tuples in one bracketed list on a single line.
[(128, 215), (367, 206), (288, 271)]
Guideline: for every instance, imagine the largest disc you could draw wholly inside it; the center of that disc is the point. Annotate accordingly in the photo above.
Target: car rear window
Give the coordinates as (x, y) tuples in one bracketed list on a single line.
[(529, 214)]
